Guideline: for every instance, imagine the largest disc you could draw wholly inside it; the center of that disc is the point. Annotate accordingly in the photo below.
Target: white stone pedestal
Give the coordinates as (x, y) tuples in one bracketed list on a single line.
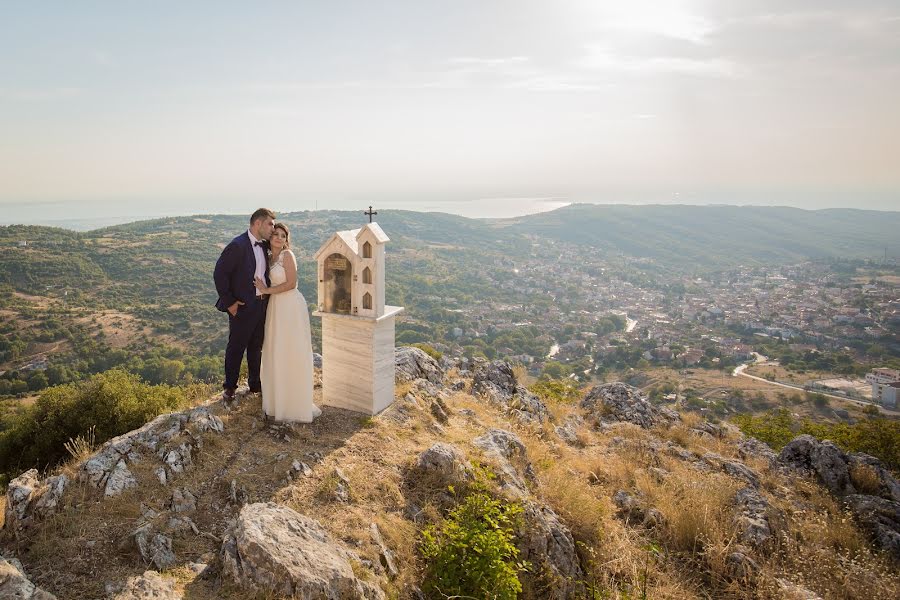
[(358, 360)]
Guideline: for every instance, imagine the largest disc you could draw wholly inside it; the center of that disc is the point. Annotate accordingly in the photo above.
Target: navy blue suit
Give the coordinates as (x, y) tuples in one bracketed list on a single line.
[(234, 274)]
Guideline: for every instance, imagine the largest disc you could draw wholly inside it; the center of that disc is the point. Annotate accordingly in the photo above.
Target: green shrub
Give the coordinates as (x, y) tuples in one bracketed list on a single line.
[(776, 428), (878, 437), (106, 405), (471, 553), (558, 390), (429, 351)]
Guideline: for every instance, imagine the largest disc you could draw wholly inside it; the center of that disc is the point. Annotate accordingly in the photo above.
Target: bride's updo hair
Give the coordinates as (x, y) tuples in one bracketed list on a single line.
[(287, 234)]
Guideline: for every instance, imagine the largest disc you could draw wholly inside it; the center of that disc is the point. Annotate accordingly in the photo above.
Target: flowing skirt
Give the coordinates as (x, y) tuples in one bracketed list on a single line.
[(287, 363)]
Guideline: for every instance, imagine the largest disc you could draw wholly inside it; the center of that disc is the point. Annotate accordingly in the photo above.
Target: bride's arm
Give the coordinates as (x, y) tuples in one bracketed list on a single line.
[(290, 271)]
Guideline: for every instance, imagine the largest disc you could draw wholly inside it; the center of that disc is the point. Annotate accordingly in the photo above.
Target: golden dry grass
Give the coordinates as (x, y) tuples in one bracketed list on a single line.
[(684, 556)]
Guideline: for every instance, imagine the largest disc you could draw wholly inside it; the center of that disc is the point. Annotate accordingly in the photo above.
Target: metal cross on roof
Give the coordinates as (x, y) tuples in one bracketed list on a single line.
[(370, 213)]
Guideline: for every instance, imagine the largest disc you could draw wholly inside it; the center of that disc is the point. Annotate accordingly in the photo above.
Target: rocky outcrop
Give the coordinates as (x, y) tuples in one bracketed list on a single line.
[(274, 549), (546, 543), (824, 460), (154, 547), (505, 448), (444, 463), (876, 507), (733, 468), (385, 555), (621, 402), (880, 517), (793, 591), (497, 382), (635, 511), (171, 437), (412, 363), (149, 586), (29, 499), (752, 518), (753, 448), (15, 584)]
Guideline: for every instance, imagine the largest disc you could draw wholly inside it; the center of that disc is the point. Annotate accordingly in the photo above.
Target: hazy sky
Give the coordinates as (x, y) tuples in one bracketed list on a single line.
[(750, 102)]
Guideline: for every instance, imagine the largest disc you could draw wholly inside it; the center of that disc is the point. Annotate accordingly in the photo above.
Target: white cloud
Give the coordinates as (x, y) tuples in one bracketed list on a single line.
[(600, 58)]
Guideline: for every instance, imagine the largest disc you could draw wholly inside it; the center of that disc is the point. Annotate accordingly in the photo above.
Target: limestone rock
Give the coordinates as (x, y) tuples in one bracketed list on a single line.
[(203, 420), (740, 565), (881, 518), (824, 460), (151, 437), (155, 548), (29, 499), (497, 382), (792, 591), (710, 429), (734, 468), (179, 459), (621, 402), (438, 412), (119, 480), (149, 586), (317, 360), (878, 513), (341, 486), (752, 519), (384, 553), (501, 442), (274, 549), (412, 363), (503, 446), (752, 447), (445, 462), (548, 545), (888, 486), (183, 501), (15, 584), (429, 389)]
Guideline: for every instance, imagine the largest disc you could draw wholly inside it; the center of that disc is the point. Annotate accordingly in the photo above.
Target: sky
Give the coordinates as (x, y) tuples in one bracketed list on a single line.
[(338, 104)]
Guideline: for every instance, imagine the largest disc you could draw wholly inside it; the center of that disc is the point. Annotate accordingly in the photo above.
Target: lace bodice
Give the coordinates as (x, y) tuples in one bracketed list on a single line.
[(277, 274)]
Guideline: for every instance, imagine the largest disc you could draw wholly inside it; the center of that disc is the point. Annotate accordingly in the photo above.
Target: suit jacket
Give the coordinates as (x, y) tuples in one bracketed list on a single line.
[(235, 271)]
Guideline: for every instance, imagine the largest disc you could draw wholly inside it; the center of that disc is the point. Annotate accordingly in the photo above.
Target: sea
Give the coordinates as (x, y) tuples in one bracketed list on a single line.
[(81, 215)]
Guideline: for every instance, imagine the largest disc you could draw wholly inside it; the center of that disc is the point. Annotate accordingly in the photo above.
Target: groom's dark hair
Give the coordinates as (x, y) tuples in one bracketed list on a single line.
[(262, 213)]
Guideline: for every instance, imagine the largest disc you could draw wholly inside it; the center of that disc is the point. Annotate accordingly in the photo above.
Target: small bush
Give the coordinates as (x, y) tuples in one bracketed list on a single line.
[(865, 479), (106, 405), (435, 354), (564, 391), (472, 554), (877, 437)]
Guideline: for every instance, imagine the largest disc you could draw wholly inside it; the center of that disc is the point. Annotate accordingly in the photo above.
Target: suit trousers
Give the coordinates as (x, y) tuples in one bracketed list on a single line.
[(246, 331)]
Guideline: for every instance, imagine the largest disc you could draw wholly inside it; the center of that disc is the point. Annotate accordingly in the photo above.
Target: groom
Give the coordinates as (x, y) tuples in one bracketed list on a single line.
[(241, 262)]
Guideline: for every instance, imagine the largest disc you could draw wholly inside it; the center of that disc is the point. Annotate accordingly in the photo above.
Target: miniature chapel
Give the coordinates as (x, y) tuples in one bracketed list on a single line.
[(357, 327)]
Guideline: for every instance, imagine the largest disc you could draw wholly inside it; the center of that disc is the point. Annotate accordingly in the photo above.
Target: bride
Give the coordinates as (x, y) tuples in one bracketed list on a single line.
[(287, 366)]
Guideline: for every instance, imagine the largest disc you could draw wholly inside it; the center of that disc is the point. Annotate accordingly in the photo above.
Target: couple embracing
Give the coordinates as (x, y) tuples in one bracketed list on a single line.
[(256, 279)]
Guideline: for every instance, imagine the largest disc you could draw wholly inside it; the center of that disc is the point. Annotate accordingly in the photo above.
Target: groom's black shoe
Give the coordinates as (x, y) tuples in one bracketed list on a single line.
[(228, 395), (256, 390)]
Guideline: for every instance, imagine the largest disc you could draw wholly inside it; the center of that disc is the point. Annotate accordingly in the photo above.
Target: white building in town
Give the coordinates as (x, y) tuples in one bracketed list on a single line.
[(885, 383)]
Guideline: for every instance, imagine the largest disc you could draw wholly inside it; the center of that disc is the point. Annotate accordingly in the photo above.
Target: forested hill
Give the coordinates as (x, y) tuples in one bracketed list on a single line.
[(720, 236)]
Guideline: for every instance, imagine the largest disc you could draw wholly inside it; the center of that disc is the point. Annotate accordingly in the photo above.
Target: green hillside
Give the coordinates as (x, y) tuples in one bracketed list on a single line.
[(720, 236)]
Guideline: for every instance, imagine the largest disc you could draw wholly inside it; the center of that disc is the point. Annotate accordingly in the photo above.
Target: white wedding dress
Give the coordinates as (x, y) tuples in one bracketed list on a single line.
[(287, 363)]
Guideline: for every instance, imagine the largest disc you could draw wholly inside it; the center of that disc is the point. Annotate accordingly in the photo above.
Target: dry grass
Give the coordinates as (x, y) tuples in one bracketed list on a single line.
[(865, 479), (682, 557), (821, 548)]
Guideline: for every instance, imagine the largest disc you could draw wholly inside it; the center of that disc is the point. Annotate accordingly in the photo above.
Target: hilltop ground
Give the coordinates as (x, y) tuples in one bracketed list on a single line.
[(673, 534)]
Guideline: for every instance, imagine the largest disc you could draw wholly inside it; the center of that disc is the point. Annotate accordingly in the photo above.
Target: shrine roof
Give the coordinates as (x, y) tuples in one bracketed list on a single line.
[(347, 237), (380, 236)]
